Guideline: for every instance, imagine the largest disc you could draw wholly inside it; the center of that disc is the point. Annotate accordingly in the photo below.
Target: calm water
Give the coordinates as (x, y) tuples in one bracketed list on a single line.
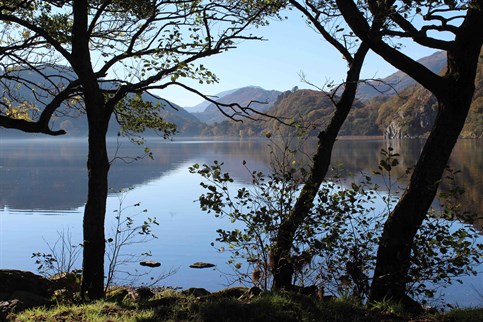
[(43, 191)]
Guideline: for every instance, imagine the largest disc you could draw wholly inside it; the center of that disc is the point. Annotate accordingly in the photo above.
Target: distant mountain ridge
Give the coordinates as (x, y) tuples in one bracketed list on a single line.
[(409, 114), (253, 96), (73, 120), (398, 81), (377, 110), (201, 107)]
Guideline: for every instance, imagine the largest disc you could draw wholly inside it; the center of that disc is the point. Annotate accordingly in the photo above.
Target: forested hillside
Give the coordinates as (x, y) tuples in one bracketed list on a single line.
[(406, 110), (407, 113)]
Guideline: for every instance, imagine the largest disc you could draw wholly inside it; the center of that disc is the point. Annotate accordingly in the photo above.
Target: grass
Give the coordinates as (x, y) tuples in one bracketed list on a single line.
[(170, 305), (92, 312), (465, 315)]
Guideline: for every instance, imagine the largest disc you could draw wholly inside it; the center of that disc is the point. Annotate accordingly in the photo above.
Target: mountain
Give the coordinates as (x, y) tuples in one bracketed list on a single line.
[(187, 124), (310, 107), (203, 105), (409, 114), (72, 119), (398, 81), (257, 97), (412, 112)]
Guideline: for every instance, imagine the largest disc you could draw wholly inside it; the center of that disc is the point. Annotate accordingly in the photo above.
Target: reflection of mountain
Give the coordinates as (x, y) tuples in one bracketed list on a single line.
[(51, 174), (364, 156)]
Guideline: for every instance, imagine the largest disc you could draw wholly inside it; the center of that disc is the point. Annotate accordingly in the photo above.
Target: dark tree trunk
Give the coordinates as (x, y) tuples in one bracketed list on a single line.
[(94, 214), (280, 260), (98, 115), (454, 93), (394, 252)]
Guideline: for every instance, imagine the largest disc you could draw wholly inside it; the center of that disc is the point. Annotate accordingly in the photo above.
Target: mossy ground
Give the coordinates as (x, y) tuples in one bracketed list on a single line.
[(170, 305)]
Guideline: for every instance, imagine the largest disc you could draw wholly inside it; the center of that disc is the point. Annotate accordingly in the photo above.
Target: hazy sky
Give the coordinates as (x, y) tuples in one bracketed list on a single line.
[(291, 48)]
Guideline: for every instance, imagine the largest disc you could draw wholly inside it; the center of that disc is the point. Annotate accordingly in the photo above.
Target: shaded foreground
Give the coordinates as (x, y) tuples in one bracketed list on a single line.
[(232, 304)]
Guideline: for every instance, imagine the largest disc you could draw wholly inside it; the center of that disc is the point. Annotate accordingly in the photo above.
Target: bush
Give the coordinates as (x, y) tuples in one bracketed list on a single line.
[(336, 246)]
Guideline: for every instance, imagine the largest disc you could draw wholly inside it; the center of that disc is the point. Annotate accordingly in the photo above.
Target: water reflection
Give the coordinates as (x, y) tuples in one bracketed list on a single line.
[(51, 174)]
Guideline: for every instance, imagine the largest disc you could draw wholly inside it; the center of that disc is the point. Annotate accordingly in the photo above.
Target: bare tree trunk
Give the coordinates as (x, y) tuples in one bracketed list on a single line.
[(454, 93), (394, 252), (98, 115), (281, 265), (94, 214)]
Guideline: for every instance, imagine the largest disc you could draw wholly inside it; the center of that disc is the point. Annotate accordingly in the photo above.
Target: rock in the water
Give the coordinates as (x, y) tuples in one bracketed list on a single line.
[(150, 263), (202, 265)]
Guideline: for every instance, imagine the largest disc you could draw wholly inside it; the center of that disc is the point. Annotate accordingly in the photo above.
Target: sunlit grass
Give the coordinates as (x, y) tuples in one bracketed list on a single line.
[(93, 312), (171, 305)]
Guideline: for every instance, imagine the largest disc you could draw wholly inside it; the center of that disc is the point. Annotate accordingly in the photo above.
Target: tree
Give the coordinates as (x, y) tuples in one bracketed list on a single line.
[(457, 28), (97, 58), (325, 21)]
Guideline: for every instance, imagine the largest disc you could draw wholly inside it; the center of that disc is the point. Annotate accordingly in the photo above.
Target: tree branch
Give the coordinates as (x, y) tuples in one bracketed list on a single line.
[(354, 18)]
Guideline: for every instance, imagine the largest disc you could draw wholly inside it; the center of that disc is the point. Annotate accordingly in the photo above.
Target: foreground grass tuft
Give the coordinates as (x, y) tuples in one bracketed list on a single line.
[(93, 312), (170, 305), (465, 315)]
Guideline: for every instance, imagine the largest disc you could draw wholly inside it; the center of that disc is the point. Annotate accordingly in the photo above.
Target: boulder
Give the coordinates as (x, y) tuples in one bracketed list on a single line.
[(8, 307), (311, 290), (117, 294), (196, 292), (29, 299), (20, 290), (70, 281), (230, 292), (202, 265), (252, 292), (150, 263), (19, 301), (15, 280), (142, 294)]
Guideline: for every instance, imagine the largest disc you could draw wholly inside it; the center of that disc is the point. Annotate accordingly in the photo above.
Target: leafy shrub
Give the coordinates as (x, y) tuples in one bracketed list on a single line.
[(335, 248)]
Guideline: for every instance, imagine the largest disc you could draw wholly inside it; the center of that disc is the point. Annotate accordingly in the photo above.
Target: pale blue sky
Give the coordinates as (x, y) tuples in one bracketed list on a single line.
[(291, 48)]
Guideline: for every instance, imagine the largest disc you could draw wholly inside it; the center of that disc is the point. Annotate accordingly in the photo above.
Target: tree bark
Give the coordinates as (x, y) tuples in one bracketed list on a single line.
[(394, 252), (92, 286), (98, 115), (280, 260), (454, 93)]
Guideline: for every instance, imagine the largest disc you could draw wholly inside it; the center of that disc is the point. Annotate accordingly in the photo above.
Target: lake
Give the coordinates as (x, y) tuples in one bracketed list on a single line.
[(43, 191)]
